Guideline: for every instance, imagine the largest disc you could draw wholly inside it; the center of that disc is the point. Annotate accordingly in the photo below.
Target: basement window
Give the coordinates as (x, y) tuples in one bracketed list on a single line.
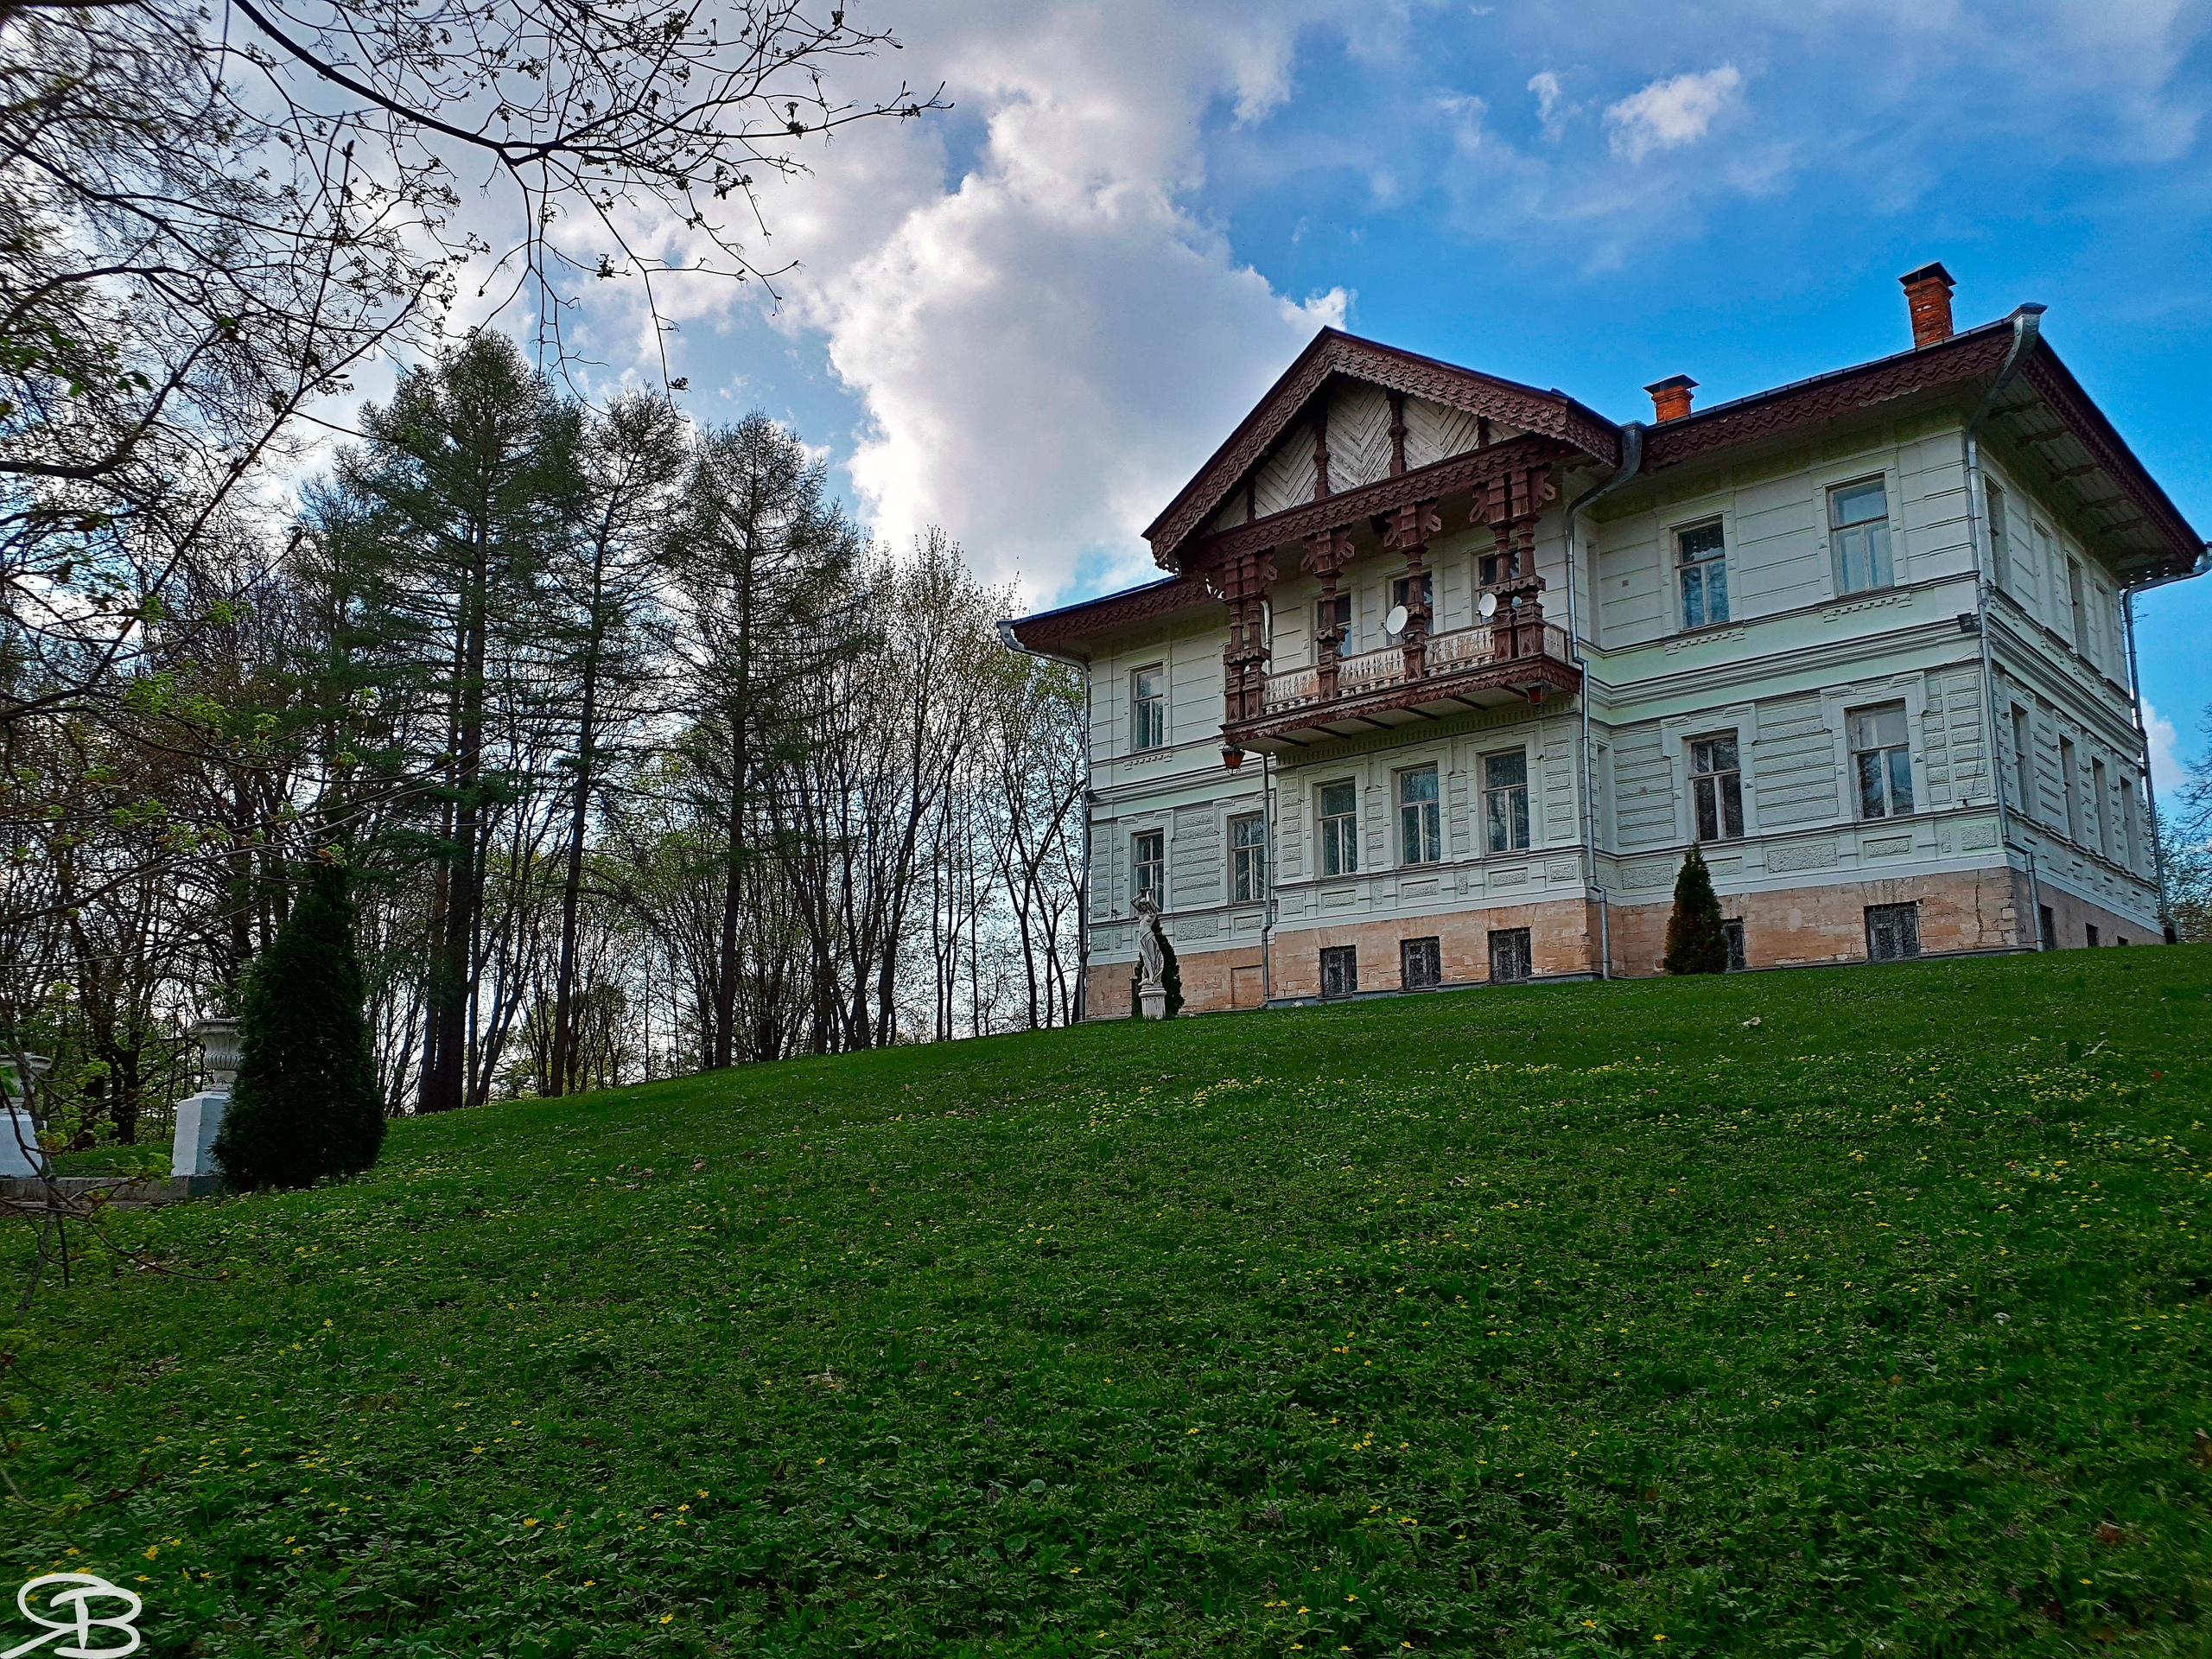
[(1420, 963), (1511, 959), (1340, 969), (1892, 932)]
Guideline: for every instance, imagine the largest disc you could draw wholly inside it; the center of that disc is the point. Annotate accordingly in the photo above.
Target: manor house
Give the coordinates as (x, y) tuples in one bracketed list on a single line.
[(1447, 673)]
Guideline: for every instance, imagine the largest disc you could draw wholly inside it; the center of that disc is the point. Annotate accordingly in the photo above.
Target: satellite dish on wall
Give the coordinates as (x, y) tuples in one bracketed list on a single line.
[(1489, 606), (1396, 622)]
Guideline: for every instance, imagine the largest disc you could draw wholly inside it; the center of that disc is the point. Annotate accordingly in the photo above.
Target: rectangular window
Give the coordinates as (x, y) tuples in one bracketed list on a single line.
[(1892, 932), (1859, 535), (1494, 567), (2000, 535), (1881, 762), (1505, 800), (2067, 787), (2024, 760), (1420, 963), (1148, 865), (2077, 601), (1703, 574), (1340, 969), (2100, 819), (1421, 831), (1340, 828), (2131, 822), (1148, 707), (2090, 933), (2046, 928), (1248, 858), (1511, 960), (1732, 930), (1717, 789), (1401, 592), (2047, 573), (1333, 615)]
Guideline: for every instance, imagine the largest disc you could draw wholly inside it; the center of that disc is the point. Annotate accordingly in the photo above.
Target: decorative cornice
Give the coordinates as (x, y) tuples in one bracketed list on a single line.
[(1428, 483), (2087, 425), (1552, 414), (1159, 599)]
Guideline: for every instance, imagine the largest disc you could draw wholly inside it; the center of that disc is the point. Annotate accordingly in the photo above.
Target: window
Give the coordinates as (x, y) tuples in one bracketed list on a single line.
[(1859, 535), (1717, 789), (1401, 593), (2131, 822), (1505, 800), (2066, 787), (2024, 760), (2078, 599), (2099, 809), (2047, 569), (1148, 707), (1881, 761), (1420, 834), (1340, 969), (1147, 865), (1340, 828), (2089, 932), (1248, 858), (2046, 928), (2000, 536), (1703, 576), (1494, 567), (1510, 959), (1732, 930), (1892, 932), (1333, 614), (1420, 963)]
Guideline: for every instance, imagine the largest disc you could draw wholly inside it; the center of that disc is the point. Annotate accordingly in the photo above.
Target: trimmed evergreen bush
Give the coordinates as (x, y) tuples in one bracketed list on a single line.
[(306, 1103), (1695, 943)]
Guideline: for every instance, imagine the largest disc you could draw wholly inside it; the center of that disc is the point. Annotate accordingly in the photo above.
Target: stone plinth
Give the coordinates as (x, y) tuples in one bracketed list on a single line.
[(1155, 998)]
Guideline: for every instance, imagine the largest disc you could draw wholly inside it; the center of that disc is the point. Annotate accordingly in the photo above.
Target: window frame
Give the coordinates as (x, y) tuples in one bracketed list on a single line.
[(1520, 941), (1888, 578), (1893, 758), (1731, 929), (1147, 715), (2070, 762), (1345, 958), (1428, 598), (1338, 832), (1343, 624), (1247, 860), (2077, 604), (1423, 818), (1138, 863), (1722, 786), (2099, 807), (1523, 823), (1701, 566), (1429, 950), (1908, 913), (2024, 760)]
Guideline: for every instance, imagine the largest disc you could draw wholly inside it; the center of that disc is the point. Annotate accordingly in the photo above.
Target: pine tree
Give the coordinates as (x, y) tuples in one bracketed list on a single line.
[(1171, 971), (1695, 943), (306, 1103)]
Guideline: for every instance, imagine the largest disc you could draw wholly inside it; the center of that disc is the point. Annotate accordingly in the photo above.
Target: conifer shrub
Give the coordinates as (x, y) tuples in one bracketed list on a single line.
[(1695, 943), (306, 1103)]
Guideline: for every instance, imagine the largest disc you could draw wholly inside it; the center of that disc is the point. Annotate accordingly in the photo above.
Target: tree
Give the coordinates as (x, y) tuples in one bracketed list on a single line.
[(305, 1104), (2182, 832), (1695, 943)]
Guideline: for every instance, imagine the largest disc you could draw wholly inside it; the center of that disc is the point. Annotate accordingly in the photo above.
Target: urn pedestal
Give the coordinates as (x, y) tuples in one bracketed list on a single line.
[(199, 1117), (19, 1149)]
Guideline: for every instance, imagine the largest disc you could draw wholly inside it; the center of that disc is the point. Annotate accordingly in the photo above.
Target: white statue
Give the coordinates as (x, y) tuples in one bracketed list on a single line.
[(1151, 991)]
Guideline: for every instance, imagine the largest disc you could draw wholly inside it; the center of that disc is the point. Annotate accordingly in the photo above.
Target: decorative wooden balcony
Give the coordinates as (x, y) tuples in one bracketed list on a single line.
[(1485, 666)]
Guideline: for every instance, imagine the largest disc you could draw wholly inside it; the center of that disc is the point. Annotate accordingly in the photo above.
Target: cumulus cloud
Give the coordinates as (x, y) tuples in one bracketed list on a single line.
[(1551, 108), (1045, 345), (2169, 770), (1671, 112)]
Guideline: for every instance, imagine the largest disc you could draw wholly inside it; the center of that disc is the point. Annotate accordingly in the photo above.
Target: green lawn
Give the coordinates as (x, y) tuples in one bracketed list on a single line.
[(1842, 1312)]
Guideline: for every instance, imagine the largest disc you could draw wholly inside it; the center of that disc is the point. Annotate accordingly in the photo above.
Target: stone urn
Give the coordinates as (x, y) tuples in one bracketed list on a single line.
[(200, 1116), (20, 1153)]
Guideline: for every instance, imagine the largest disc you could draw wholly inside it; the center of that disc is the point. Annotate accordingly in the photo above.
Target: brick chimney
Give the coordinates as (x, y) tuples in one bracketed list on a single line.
[(1927, 300), (1670, 399)]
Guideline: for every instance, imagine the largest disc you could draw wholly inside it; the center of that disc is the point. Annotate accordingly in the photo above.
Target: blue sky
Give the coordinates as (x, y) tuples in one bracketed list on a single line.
[(1030, 319)]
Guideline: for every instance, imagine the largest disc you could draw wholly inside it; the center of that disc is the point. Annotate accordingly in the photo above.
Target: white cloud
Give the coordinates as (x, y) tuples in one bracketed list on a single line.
[(1048, 344), (1551, 108), (2169, 771), (1671, 112)]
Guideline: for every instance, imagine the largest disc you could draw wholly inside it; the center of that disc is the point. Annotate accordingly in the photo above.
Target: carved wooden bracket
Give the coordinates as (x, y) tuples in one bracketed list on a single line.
[(1326, 556), (1408, 531), (1243, 584)]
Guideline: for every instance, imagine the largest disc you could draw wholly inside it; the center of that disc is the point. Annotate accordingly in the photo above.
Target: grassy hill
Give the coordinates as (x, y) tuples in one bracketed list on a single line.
[(1836, 1313)]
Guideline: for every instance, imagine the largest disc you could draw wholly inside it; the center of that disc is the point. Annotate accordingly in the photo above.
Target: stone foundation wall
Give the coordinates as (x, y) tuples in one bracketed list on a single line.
[(1793, 927)]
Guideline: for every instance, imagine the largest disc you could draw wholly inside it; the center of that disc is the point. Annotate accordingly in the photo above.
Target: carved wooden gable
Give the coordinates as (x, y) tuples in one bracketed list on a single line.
[(1349, 413)]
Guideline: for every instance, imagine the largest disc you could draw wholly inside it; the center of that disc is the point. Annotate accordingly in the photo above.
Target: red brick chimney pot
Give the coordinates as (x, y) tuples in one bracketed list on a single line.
[(1670, 399), (1928, 302)]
